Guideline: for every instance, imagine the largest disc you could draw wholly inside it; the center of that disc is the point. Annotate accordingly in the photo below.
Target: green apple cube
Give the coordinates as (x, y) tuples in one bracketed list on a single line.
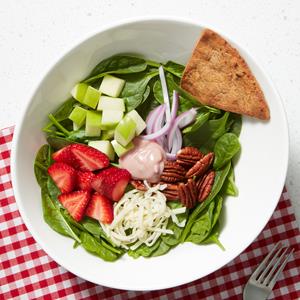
[(119, 149), (78, 92), (105, 147), (125, 131), (111, 103), (91, 97), (78, 116), (93, 123), (111, 86), (111, 118), (107, 134), (140, 124), (75, 126)]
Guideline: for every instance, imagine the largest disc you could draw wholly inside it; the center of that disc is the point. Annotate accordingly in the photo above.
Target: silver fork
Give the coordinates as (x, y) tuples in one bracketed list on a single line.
[(262, 281)]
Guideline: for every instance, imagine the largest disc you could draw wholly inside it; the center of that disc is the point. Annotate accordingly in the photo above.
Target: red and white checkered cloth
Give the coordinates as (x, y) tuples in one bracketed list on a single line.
[(27, 272)]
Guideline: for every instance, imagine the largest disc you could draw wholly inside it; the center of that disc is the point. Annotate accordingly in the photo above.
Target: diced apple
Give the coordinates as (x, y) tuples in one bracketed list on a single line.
[(119, 149), (75, 126), (111, 86), (111, 103), (111, 118), (93, 123), (125, 131), (78, 116), (91, 97), (140, 124), (105, 147), (107, 134), (78, 92)]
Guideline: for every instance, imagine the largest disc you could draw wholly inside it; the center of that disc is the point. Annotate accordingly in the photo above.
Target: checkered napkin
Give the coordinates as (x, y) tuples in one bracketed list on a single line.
[(27, 272)]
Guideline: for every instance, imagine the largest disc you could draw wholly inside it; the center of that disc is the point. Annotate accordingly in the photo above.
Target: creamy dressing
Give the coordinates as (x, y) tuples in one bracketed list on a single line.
[(145, 161)]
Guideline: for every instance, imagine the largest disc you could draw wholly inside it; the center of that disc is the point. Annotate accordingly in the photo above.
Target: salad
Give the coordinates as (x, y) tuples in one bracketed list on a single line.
[(135, 164)]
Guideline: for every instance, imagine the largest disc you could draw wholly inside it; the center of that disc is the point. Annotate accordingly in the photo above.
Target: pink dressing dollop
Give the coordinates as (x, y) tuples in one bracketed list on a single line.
[(145, 161)]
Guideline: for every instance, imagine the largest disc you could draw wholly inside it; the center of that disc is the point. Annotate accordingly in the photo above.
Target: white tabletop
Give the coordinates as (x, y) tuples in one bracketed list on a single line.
[(33, 34)]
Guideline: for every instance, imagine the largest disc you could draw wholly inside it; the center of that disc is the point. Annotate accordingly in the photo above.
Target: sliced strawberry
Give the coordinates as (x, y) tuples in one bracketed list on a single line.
[(84, 180), (111, 182), (64, 155), (63, 175), (75, 203), (88, 158), (100, 208)]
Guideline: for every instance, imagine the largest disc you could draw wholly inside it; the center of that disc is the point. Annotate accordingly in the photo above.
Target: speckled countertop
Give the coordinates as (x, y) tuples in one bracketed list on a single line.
[(33, 34)]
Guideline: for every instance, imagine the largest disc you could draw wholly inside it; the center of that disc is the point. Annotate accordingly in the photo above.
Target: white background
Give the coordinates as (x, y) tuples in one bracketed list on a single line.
[(34, 34)]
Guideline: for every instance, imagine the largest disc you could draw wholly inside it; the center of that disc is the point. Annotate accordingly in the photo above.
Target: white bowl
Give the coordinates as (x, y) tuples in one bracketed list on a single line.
[(260, 172)]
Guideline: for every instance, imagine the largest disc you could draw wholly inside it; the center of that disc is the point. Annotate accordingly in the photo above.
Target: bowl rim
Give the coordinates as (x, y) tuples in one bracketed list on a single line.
[(58, 59)]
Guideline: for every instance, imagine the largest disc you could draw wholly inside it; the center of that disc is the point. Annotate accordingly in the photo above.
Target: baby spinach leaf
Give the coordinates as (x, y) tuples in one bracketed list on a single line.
[(213, 237), (41, 164), (149, 104), (146, 93), (236, 126), (230, 187), (186, 101), (58, 142), (117, 64), (144, 250), (202, 225), (55, 219), (174, 68), (92, 226), (220, 177), (152, 63), (217, 210), (70, 220), (161, 250), (218, 126), (90, 244), (174, 239), (205, 223), (53, 191), (201, 119), (76, 244), (110, 247), (225, 148), (63, 111), (135, 88)]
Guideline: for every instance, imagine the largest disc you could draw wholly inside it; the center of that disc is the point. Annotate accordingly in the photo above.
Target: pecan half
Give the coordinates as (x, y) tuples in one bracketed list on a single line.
[(188, 193), (182, 194), (171, 191), (171, 195), (206, 186), (201, 166), (172, 172), (188, 156), (193, 191), (139, 185)]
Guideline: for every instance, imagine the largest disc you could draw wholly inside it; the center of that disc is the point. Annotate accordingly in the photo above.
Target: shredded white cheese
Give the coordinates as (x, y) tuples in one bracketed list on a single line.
[(141, 217)]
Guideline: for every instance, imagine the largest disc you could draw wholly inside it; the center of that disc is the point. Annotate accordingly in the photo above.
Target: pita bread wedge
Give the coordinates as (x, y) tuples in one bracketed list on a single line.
[(218, 76)]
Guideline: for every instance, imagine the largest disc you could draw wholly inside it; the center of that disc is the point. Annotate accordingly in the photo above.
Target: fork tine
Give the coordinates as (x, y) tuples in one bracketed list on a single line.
[(269, 265), (271, 273), (274, 279), (263, 263)]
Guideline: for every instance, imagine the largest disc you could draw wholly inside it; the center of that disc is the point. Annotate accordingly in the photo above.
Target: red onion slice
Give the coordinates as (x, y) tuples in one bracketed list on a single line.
[(164, 130), (177, 144), (159, 118), (170, 156), (186, 117), (152, 117), (165, 92), (175, 101)]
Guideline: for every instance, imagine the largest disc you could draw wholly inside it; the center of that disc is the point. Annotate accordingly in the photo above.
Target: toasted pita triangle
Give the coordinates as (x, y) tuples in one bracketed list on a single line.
[(218, 76)]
